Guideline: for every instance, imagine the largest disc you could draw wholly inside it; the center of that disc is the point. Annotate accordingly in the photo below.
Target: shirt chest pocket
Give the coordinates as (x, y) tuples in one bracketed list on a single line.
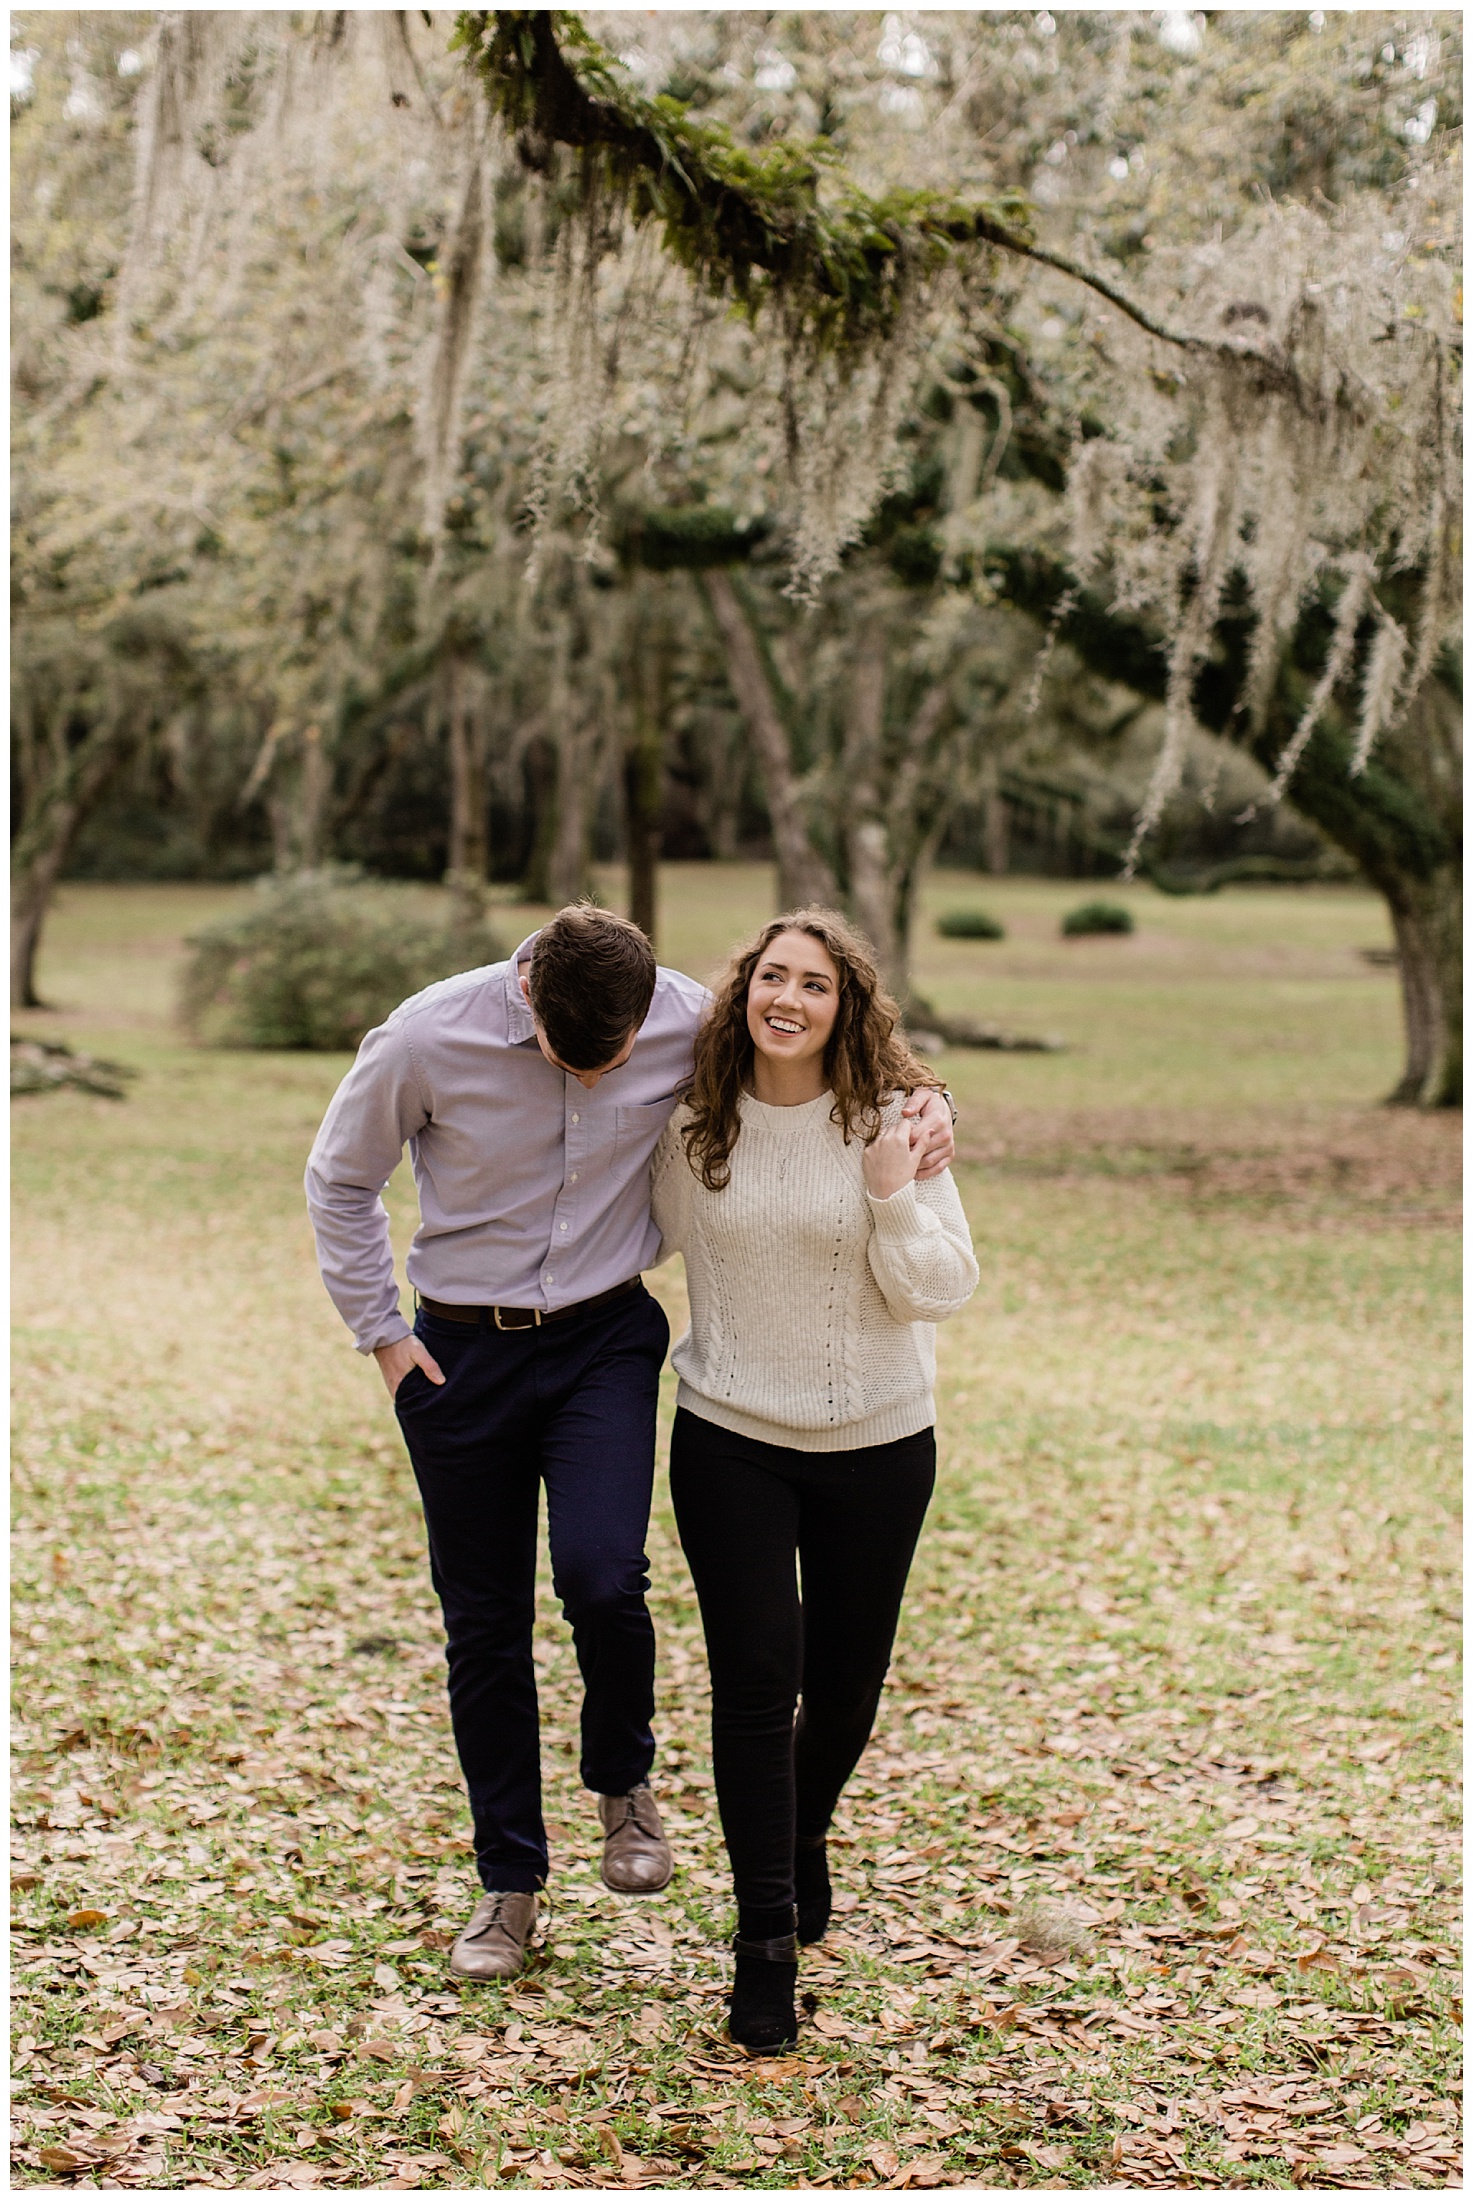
[(637, 1131)]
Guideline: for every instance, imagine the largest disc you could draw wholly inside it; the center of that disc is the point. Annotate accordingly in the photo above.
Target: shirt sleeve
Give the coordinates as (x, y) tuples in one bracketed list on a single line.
[(920, 1250), (670, 1190), (378, 1106)]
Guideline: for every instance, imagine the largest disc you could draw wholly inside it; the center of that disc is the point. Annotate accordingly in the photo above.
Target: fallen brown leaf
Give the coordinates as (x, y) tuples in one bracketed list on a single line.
[(65, 2158)]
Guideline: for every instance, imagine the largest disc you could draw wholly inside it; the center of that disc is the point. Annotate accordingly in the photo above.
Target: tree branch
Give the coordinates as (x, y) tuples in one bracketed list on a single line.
[(750, 224)]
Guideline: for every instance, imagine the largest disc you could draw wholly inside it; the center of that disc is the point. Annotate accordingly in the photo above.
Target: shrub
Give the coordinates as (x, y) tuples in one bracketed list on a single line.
[(316, 962), (969, 924), (1097, 916)]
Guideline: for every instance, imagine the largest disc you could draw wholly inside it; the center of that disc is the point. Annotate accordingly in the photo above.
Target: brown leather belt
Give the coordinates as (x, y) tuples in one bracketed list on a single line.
[(522, 1317)]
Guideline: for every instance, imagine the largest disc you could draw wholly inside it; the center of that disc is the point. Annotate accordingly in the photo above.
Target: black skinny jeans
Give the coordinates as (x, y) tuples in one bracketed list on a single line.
[(749, 1515)]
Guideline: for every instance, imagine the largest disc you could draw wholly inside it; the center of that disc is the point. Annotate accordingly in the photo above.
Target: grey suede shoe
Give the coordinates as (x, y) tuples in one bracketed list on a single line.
[(637, 1857), (495, 1942)]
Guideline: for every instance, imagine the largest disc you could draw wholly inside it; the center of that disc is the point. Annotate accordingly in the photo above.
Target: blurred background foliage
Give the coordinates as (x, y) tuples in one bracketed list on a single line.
[(384, 496)]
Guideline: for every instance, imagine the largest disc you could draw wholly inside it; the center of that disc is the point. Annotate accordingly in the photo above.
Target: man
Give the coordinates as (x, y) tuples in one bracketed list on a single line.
[(532, 1094)]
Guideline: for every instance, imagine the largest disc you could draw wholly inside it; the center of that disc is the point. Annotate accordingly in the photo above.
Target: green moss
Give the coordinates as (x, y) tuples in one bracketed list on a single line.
[(750, 226)]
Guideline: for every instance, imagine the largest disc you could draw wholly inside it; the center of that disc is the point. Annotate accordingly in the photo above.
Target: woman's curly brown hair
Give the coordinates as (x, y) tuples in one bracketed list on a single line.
[(866, 1059)]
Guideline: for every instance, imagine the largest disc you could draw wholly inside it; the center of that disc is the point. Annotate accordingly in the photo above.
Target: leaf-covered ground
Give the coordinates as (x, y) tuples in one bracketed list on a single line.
[(1148, 1877)]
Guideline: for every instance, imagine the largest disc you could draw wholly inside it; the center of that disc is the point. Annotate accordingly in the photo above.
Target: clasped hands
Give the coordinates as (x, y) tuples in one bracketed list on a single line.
[(917, 1145)]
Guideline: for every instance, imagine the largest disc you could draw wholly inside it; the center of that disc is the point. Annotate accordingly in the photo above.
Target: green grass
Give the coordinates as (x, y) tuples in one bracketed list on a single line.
[(1177, 1654)]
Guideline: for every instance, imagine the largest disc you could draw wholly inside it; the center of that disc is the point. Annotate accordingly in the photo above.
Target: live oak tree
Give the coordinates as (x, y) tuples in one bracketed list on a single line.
[(1273, 441), (422, 390)]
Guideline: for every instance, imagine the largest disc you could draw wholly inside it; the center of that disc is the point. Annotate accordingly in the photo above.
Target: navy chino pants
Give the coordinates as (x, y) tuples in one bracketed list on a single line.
[(570, 1407)]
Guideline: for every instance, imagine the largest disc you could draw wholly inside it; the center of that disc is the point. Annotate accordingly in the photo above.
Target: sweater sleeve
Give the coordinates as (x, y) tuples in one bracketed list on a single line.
[(670, 1190), (920, 1250)]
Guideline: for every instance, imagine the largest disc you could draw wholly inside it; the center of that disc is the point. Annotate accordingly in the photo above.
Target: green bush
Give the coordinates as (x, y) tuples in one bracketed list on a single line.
[(316, 962), (969, 924), (1097, 916)]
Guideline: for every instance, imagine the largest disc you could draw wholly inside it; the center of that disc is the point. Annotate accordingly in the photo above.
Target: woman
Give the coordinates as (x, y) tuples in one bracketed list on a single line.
[(817, 1266)]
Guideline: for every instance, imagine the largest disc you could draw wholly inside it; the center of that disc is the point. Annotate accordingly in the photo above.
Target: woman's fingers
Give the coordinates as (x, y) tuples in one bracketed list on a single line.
[(890, 1160)]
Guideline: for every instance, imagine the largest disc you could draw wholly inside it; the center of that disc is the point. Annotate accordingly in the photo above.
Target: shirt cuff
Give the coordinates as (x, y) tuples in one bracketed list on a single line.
[(389, 1331)]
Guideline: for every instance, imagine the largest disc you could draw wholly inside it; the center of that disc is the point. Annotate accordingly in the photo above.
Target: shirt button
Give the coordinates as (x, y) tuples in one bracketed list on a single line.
[(575, 1116), (562, 1226), (574, 1177)]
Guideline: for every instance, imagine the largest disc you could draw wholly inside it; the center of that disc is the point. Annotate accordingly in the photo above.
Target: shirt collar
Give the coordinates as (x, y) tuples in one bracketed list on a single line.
[(519, 1020)]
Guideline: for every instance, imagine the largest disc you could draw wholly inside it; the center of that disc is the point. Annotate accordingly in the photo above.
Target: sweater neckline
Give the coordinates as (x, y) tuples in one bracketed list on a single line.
[(786, 1122)]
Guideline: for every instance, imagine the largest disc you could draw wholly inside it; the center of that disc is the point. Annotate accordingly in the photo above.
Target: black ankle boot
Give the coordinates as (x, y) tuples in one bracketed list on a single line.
[(763, 2016), (815, 1895)]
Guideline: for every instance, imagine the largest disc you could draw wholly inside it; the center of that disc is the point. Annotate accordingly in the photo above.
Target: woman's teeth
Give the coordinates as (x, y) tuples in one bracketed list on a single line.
[(778, 1023)]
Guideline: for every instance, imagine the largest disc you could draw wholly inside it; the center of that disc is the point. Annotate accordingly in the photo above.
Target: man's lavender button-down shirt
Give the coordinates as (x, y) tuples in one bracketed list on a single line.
[(533, 1191)]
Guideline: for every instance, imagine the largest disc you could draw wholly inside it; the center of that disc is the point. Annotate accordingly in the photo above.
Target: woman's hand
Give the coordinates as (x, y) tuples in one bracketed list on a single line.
[(890, 1160)]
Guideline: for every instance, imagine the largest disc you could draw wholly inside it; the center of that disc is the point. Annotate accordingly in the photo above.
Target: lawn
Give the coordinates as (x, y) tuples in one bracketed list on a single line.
[(1148, 1877)]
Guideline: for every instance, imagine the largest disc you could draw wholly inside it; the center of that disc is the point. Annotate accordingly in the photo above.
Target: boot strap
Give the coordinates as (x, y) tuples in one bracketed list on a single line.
[(784, 1949)]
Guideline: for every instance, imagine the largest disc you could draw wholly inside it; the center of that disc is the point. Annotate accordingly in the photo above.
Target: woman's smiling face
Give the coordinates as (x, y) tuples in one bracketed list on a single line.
[(793, 998)]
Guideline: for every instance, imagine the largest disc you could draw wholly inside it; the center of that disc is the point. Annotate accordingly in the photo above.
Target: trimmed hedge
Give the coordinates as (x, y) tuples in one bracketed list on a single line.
[(969, 924), (1097, 916)]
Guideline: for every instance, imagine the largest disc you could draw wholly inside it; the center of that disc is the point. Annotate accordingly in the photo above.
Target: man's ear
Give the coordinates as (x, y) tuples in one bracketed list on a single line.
[(526, 985)]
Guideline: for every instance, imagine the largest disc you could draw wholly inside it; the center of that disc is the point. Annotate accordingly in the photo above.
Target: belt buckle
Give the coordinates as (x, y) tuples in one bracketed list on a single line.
[(512, 1327)]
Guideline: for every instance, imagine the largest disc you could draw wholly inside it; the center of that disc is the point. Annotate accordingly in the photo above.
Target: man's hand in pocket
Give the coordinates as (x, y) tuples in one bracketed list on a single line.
[(395, 1360)]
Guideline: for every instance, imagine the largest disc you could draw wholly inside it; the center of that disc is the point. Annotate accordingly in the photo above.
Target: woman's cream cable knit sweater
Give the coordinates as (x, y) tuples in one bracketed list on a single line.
[(812, 1305)]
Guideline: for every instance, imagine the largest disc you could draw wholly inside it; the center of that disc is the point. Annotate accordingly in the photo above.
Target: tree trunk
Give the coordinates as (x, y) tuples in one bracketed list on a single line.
[(720, 793), (464, 262), (469, 852), (283, 836), (573, 792), (562, 856), (316, 781), (31, 890), (647, 645), (996, 821), (804, 876), (1427, 915), (867, 842), (917, 814), (644, 788), (46, 838), (540, 774)]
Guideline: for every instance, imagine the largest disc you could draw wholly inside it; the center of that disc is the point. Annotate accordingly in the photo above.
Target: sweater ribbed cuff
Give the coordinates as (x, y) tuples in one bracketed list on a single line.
[(899, 1216)]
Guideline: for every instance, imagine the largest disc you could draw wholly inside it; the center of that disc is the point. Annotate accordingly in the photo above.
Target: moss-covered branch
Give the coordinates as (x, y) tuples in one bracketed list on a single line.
[(746, 225), (756, 226)]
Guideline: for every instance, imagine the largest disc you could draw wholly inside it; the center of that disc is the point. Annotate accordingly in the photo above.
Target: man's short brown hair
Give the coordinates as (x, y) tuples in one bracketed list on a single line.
[(591, 982)]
